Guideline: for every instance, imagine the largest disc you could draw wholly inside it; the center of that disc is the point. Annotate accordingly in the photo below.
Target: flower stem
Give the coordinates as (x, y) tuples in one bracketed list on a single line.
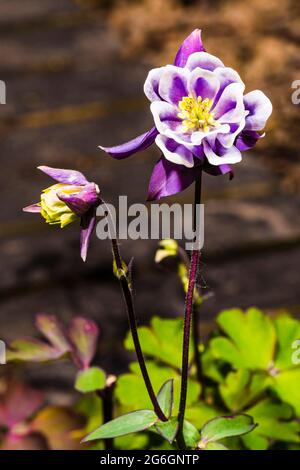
[(128, 297), (188, 320), (107, 407)]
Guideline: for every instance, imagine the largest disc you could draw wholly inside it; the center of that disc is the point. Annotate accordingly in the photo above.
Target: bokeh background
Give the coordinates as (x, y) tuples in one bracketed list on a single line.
[(74, 71)]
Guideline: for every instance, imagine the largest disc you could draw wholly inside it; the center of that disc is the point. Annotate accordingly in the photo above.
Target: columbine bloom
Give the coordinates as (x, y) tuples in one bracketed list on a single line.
[(72, 198), (203, 120)]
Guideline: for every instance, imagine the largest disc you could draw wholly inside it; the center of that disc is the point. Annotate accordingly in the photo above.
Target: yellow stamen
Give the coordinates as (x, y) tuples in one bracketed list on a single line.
[(196, 115)]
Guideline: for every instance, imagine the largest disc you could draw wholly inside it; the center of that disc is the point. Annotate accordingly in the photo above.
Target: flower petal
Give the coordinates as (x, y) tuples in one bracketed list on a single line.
[(152, 83), (204, 61), (64, 176), (227, 140), (260, 109), (203, 83), (230, 107), (169, 178), (226, 76), (173, 84), (135, 145), (165, 116), (174, 152), (33, 208), (81, 202), (88, 221), (220, 155), (191, 44), (247, 140)]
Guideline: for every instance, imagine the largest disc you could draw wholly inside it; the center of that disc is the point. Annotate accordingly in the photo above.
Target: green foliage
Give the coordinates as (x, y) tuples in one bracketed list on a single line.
[(250, 384), (90, 380)]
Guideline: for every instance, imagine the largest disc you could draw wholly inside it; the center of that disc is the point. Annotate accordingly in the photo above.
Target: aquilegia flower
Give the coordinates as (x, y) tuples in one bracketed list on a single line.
[(72, 198), (203, 120)]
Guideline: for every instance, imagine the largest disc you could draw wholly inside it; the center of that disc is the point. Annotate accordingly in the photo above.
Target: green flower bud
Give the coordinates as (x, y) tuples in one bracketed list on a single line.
[(53, 209)]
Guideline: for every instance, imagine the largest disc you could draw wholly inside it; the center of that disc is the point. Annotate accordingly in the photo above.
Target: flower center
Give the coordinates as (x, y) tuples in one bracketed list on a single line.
[(195, 114)]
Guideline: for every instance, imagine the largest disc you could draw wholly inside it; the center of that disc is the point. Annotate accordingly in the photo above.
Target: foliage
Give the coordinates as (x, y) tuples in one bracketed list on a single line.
[(250, 384)]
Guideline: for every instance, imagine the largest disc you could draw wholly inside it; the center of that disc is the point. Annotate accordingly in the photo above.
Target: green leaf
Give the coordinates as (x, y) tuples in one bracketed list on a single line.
[(191, 435), (251, 339), (226, 426), (126, 424), (165, 397), (288, 331), (31, 350), (215, 446), (161, 341), (131, 392), (90, 380), (168, 429), (240, 388), (286, 385), (199, 413), (274, 422)]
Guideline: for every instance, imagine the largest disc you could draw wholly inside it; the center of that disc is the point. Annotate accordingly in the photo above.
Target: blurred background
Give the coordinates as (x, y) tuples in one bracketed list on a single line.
[(74, 71)]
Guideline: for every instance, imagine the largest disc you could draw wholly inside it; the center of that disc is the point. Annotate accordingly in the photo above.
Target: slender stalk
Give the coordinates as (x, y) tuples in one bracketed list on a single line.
[(108, 407), (196, 342), (128, 297), (187, 322)]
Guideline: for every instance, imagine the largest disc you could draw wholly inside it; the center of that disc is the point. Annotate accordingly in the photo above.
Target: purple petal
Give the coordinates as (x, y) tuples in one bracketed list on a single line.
[(64, 176), (152, 83), (173, 84), (203, 83), (81, 202), (88, 222), (260, 109), (135, 145), (247, 140), (191, 44), (33, 208), (175, 152), (220, 155), (165, 116), (204, 61), (226, 76), (230, 107), (169, 178), (217, 170)]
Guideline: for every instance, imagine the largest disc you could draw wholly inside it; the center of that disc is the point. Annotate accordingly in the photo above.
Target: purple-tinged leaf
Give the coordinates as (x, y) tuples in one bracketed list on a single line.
[(31, 350), (54, 331), (18, 403), (83, 334)]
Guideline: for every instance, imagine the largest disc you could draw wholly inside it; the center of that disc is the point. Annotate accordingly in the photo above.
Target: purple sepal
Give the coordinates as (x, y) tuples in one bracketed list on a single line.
[(72, 177), (247, 140), (135, 145), (81, 202), (170, 178), (191, 44), (87, 226), (33, 208)]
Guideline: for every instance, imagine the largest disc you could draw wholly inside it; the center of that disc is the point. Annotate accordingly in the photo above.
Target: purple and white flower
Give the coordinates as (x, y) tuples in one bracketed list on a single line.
[(72, 198), (203, 120)]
